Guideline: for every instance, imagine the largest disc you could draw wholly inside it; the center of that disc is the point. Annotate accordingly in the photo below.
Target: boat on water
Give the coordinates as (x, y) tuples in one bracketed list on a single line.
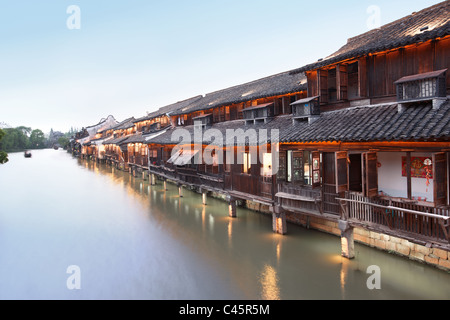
[(27, 154)]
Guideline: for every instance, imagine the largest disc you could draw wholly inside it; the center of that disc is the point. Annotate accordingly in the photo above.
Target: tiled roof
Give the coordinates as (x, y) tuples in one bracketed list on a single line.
[(126, 124), (359, 124), (169, 108), (279, 84), (117, 141), (427, 24), (375, 123), (251, 134)]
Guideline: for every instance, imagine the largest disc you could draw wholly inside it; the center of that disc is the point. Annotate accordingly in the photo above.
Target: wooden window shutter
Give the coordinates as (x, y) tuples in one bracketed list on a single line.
[(362, 78), (342, 82), (440, 178), (297, 167), (371, 170), (281, 175), (313, 83), (323, 85), (316, 170), (341, 172)]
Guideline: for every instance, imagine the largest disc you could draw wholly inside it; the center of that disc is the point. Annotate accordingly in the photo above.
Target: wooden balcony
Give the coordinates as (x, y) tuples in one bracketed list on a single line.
[(137, 159), (307, 200), (411, 219)]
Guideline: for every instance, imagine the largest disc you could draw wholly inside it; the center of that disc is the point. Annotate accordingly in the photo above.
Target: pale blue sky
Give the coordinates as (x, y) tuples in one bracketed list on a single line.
[(134, 56)]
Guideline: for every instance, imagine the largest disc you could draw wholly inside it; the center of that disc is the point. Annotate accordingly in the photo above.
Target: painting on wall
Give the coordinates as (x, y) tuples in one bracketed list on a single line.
[(421, 167)]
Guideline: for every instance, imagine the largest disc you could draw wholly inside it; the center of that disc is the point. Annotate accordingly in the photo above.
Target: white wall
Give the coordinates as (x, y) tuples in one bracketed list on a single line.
[(391, 181)]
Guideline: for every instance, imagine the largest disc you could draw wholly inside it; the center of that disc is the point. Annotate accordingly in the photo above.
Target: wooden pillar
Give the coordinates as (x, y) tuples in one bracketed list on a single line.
[(347, 240), (279, 223), (408, 175), (232, 207)]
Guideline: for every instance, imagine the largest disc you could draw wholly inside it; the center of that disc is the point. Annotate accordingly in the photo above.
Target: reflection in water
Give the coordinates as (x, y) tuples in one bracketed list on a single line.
[(203, 218), (344, 274), (269, 283), (278, 251), (230, 233), (133, 240)]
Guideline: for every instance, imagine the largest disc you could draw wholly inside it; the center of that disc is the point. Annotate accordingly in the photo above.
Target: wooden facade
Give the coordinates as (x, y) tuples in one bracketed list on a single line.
[(373, 77), (349, 148)]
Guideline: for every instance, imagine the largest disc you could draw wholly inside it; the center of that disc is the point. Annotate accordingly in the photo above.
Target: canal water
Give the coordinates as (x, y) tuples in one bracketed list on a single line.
[(129, 240)]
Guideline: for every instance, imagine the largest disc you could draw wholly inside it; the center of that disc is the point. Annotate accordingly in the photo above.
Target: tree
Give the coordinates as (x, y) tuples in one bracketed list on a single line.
[(37, 139), (15, 139), (63, 142), (3, 155)]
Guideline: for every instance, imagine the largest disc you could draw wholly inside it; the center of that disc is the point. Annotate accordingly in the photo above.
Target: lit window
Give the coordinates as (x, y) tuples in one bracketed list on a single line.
[(247, 162), (307, 167), (267, 165), (289, 165)]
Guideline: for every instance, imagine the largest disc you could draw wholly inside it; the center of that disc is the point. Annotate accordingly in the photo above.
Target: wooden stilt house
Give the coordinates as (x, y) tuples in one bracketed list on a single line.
[(372, 139)]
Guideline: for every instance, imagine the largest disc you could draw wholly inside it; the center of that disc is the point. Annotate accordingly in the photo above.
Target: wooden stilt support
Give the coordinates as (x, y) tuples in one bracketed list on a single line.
[(180, 190), (279, 223), (204, 196), (232, 207), (347, 240), (165, 185)]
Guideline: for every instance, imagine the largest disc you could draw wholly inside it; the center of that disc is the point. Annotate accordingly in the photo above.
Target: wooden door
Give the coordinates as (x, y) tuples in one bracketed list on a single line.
[(371, 174), (329, 202), (341, 172), (355, 173), (440, 178)]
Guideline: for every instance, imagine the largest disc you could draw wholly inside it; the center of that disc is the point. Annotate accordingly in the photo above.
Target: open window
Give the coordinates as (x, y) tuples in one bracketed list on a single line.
[(316, 169), (300, 167), (266, 165), (281, 174)]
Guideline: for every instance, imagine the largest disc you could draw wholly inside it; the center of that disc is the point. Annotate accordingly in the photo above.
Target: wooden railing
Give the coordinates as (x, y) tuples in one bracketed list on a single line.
[(298, 198), (305, 198), (421, 221), (138, 159)]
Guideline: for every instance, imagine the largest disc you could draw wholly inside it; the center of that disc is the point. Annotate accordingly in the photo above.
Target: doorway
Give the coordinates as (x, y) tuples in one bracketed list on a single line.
[(355, 168)]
